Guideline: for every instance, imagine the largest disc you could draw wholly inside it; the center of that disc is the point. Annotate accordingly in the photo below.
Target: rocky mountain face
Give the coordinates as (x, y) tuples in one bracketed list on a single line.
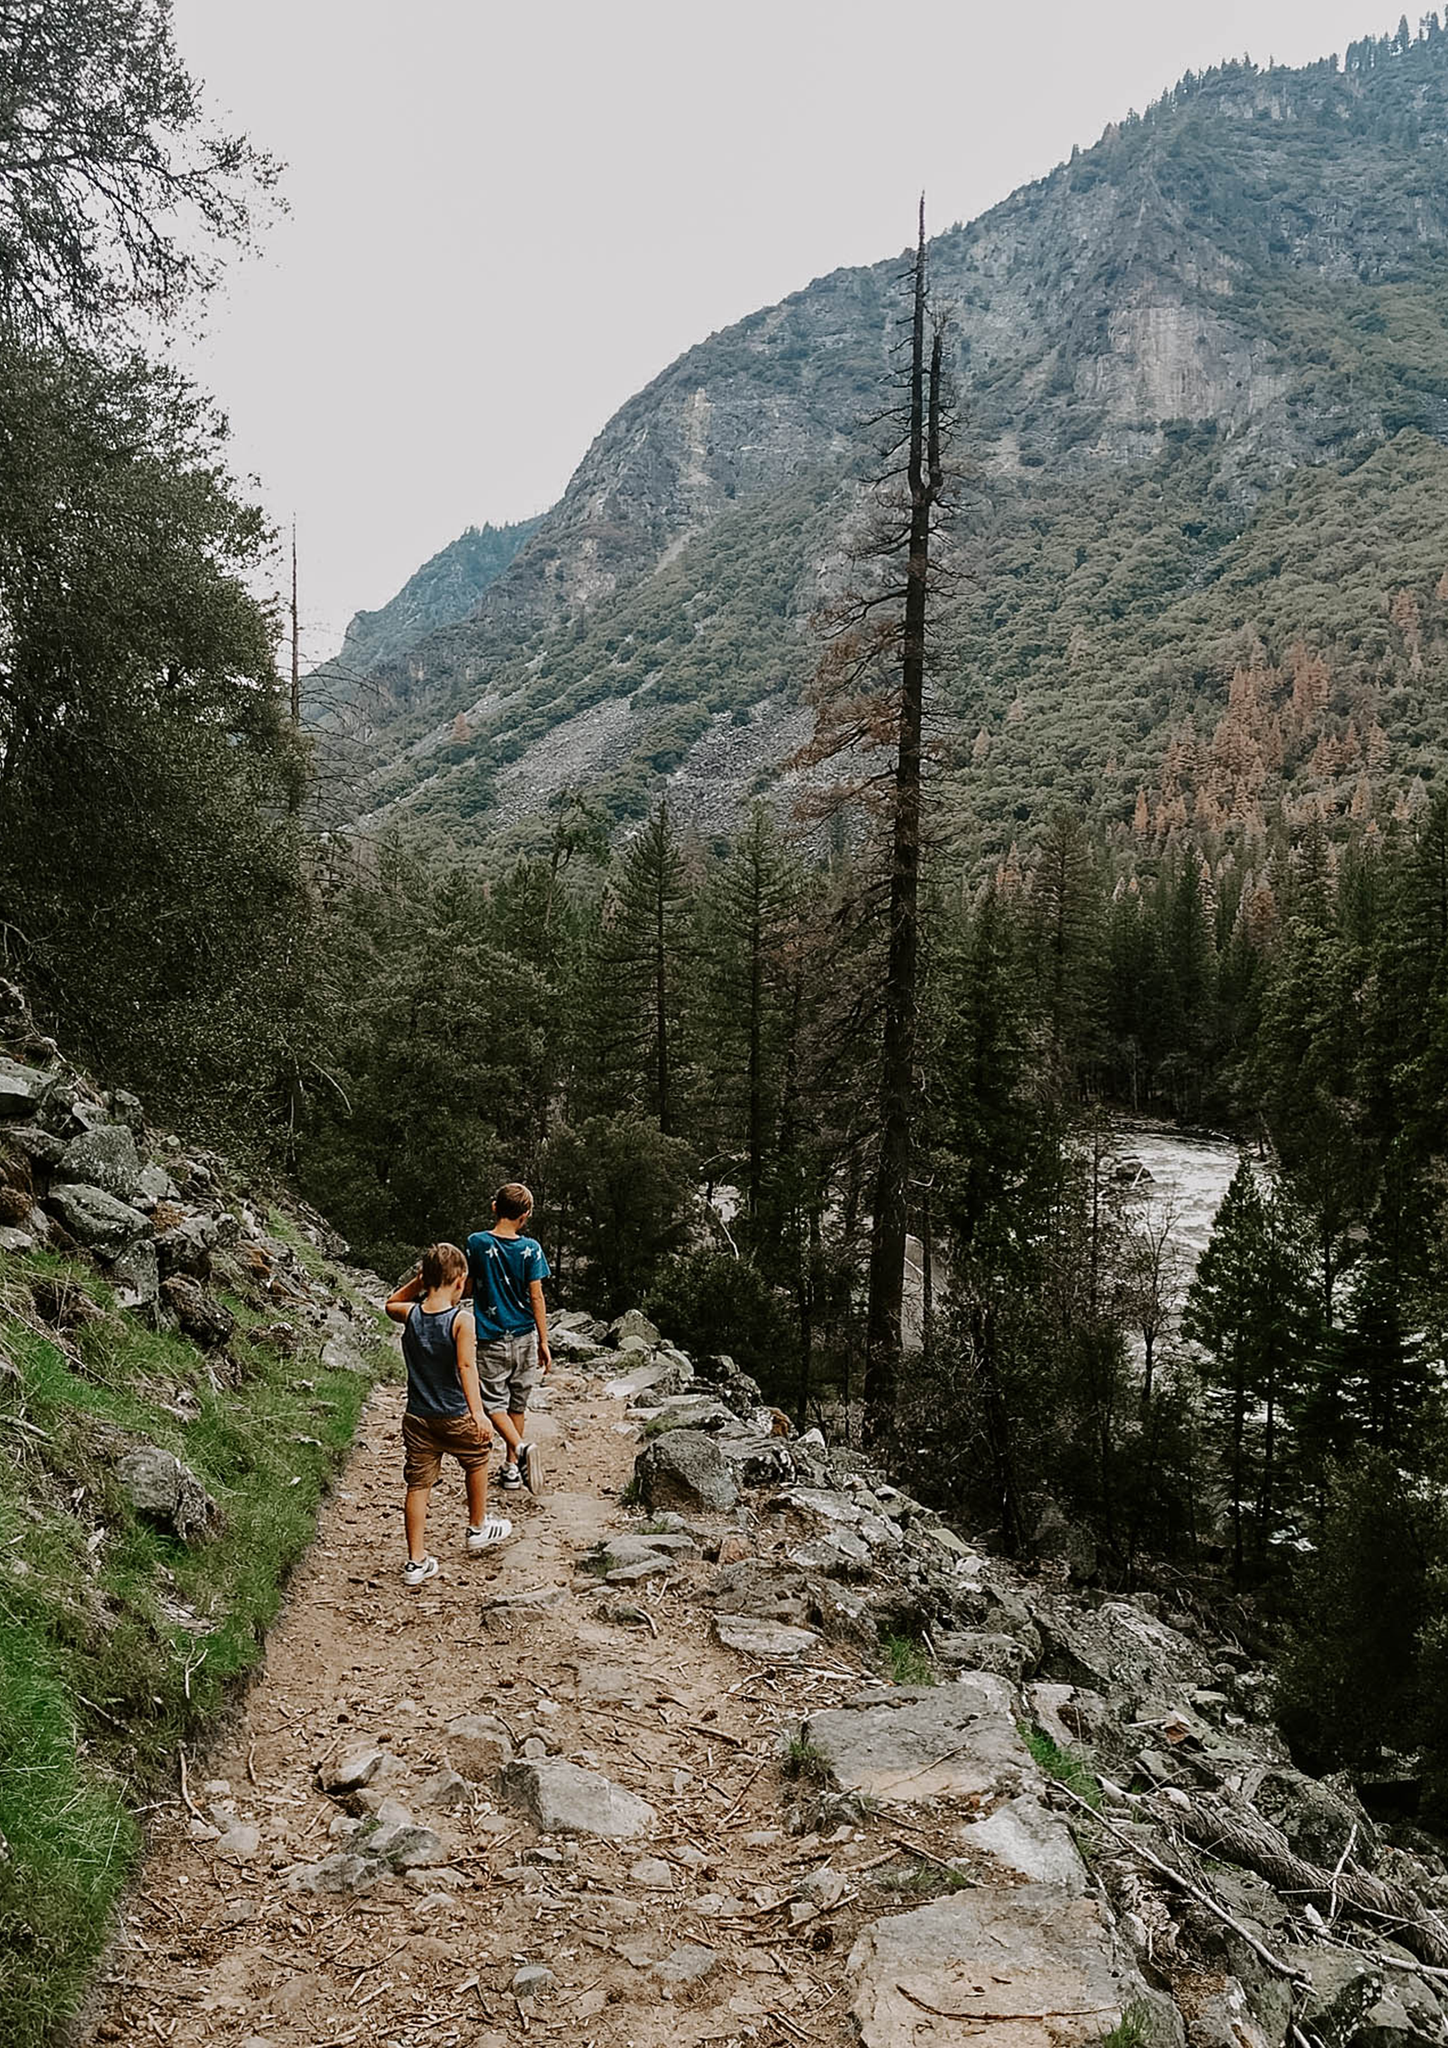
[(446, 588), (1154, 346)]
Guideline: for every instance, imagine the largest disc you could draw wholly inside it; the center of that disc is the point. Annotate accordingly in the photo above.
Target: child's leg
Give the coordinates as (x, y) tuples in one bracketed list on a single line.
[(414, 1521), (476, 1480), (421, 1463), (509, 1428), (494, 1359)]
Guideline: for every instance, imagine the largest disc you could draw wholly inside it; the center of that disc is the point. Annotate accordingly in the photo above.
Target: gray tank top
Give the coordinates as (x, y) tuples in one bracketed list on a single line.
[(430, 1349)]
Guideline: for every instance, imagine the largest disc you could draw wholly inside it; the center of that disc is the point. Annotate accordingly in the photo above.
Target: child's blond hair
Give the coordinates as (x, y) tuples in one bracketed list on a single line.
[(441, 1265)]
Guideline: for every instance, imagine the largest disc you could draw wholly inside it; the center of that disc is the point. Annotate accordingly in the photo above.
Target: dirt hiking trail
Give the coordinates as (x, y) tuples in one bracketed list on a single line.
[(220, 1951), (367, 1859)]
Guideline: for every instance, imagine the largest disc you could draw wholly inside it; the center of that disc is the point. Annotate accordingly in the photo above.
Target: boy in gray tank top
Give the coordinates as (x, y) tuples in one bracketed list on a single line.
[(445, 1415)]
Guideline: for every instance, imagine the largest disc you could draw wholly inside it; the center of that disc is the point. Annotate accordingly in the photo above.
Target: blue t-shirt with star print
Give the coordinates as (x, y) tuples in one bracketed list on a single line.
[(502, 1269)]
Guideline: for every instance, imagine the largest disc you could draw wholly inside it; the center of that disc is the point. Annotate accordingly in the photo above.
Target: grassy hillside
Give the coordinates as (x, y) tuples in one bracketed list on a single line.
[(121, 1638)]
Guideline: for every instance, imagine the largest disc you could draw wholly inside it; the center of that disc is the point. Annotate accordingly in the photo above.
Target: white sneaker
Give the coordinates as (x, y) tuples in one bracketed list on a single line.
[(510, 1476), (418, 1570), (495, 1529)]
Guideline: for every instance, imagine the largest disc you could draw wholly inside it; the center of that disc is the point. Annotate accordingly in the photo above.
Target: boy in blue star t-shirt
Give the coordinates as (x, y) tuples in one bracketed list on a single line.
[(506, 1270)]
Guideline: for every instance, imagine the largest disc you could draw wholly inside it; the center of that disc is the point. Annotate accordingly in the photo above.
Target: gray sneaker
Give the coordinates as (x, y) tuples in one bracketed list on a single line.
[(510, 1476), (531, 1467)]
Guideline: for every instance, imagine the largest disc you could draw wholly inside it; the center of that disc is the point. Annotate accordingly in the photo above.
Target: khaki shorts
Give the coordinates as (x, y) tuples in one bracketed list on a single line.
[(428, 1439), (508, 1372)]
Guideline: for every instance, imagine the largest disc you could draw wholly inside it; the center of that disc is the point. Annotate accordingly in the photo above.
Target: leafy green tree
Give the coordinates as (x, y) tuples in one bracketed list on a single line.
[(1350, 1681), (149, 879), (115, 193), (623, 1196)]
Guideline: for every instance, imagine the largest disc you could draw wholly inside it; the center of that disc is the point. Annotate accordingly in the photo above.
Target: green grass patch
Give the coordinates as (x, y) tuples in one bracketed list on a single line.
[(804, 1759), (659, 1425), (1068, 1769), (117, 1641), (908, 1661), (1133, 2030), (907, 1880)]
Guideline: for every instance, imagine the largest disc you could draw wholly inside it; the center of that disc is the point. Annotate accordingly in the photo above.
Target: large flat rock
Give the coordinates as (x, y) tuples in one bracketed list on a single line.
[(926, 1742), (1018, 1967)]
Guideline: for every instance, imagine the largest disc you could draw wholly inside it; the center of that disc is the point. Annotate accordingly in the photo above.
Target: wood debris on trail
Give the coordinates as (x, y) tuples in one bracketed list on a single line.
[(500, 1932)]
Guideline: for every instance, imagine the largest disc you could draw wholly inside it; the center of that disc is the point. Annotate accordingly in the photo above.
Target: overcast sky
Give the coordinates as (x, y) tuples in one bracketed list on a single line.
[(505, 218)]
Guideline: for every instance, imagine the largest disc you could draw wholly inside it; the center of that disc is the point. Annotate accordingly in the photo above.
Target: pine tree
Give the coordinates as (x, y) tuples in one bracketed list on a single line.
[(1247, 1309)]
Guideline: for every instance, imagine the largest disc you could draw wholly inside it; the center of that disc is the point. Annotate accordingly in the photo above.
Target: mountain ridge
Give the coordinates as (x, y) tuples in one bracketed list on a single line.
[(1245, 282)]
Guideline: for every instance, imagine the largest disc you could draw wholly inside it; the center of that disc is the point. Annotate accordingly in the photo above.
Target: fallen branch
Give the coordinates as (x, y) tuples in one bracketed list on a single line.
[(186, 1800), (1193, 1890)]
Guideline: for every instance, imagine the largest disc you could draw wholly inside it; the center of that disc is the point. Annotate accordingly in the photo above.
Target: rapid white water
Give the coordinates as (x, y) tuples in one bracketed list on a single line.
[(1190, 1172)]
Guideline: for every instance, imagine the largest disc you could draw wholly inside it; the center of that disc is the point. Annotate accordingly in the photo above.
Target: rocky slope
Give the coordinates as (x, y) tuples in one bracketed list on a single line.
[(1151, 345)]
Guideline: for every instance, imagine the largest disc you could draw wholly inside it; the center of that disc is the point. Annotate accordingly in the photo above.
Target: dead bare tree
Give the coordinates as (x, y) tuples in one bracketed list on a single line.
[(870, 699)]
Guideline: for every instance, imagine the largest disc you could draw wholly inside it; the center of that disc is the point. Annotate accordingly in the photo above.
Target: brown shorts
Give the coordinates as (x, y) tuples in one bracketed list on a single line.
[(428, 1439)]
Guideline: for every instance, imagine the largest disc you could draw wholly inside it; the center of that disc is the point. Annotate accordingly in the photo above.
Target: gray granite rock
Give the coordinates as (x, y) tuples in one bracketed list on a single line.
[(105, 1157), (564, 1798), (161, 1487), (774, 1641), (1025, 1838), (910, 1743), (684, 1470), (98, 1220), (1011, 1965)]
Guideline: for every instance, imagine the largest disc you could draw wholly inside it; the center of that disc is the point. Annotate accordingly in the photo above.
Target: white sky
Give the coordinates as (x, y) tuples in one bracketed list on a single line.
[(508, 215)]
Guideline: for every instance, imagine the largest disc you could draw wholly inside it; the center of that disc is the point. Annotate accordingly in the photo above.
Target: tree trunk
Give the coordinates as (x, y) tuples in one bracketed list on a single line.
[(897, 1074)]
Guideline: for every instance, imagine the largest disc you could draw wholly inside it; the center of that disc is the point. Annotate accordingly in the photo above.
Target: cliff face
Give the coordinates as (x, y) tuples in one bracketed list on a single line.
[(1248, 280)]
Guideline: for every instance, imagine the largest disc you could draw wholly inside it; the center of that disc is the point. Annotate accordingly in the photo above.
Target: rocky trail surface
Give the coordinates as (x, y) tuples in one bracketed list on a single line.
[(638, 1777), (540, 1796)]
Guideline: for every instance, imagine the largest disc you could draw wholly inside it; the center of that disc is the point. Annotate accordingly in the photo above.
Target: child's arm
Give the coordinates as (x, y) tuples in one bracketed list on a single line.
[(540, 1318), (465, 1337), (401, 1299)]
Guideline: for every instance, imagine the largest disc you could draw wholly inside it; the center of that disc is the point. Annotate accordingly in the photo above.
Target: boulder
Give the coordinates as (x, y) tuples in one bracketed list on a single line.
[(980, 1650), (684, 1469), (911, 1743), (564, 1798), (350, 1772), (185, 1243), (686, 1966), (21, 1088), (98, 1220), (137, 1275), (1118, 1651), (651, 1380), (201, 1316), (105, 1157), (345, 1872), (1003, 1967), (633, 1324), (41, 1148), (1345, 1988), (403, 1844), (757, 1460), (161, 1488), (1027, 1839)]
